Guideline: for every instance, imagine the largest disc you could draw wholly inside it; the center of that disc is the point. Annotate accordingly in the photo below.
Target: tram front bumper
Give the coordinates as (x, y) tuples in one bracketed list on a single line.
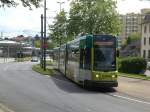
[(92, 83)]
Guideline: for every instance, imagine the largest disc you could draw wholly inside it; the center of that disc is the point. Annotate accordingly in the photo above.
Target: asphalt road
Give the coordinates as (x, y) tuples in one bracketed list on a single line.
[(23, 90)]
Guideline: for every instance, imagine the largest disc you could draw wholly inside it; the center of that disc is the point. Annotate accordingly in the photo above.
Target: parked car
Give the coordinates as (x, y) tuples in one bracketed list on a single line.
[(148, 65), (34, 59)]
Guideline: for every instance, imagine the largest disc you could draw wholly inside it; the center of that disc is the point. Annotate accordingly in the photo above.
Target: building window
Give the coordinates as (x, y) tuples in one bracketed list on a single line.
[(145, 29), (149, 40), (149, 28), (144, 41), (144, 53), (148, 54)]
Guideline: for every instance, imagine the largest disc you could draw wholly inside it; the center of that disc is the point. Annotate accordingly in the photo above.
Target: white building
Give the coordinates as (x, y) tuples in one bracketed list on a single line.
[(131, 23), (145, 40)]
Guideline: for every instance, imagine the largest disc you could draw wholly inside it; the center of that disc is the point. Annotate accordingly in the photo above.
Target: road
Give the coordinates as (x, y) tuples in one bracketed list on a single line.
[(136, 88), (23, 90)]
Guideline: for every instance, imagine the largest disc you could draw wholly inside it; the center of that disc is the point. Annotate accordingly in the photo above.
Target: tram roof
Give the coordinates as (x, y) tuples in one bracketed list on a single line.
[(78, 39), (8, 43), (81, 38)]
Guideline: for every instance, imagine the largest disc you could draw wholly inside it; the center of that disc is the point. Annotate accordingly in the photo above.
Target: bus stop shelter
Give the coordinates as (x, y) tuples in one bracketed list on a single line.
[(9, 48)]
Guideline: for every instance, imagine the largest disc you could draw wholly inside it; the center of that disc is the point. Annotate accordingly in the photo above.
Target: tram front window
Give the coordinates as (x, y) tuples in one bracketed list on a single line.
[(104, 59)]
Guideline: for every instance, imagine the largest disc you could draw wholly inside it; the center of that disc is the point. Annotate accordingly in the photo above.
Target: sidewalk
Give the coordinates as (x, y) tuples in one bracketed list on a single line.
[(134, 87), (147, 73), (6, 60)]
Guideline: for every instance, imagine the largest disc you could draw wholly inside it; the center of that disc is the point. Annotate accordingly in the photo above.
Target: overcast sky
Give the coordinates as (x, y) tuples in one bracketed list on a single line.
[(20, 20)]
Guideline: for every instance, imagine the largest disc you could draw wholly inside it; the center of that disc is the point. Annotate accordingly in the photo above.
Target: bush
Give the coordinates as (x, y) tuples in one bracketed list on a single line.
[(132, 65)]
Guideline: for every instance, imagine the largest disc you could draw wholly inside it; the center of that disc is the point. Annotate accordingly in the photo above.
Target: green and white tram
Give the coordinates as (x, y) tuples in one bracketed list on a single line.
[(89, 60)]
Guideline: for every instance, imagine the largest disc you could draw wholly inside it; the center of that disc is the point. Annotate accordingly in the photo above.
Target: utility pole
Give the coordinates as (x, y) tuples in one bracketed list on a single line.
[(41, 58), (60, 3), (44, 35), (1, 35)]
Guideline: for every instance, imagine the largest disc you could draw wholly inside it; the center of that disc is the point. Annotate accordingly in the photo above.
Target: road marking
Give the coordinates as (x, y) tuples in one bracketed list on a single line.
[(131, 99), (5, 109), (47, 75), (123, 97)]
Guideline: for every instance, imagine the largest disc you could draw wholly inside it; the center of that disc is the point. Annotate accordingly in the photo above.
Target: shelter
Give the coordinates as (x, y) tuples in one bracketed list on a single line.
[(9, 48)]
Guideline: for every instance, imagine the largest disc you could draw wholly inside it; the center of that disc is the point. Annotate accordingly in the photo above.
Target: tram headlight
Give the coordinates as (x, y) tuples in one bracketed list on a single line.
[(113, 76), (97, 76), (116, 71)]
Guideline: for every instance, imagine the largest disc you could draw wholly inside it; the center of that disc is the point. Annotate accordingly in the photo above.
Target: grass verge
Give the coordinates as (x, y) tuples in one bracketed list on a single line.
[(49, 63), (38, 69), (136, 76), (23, 59)]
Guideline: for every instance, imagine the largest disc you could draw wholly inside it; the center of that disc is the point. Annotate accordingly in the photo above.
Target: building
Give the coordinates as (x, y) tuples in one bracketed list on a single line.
[(9, 48), (145, 11), (131, 22), (145, 40)]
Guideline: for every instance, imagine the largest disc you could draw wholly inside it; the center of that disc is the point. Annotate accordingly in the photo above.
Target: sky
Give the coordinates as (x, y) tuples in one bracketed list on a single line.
[(20, 20)]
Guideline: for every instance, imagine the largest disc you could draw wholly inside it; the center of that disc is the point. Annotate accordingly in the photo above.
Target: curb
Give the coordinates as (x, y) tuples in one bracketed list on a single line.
[(134, 77)]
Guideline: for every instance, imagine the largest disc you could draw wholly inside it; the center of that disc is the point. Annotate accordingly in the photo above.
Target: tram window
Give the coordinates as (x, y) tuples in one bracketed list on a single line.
[(81, 57), (85, 58), (87, 62)]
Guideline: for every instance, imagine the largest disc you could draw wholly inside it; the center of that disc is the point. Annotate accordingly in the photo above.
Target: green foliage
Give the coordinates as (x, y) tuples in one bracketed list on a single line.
[(93, 16), (58, 29), (51, 45), (133, 37), (85, 16), (128, 40), (132, 65), (25, 3), (38, 69), (37, 43)]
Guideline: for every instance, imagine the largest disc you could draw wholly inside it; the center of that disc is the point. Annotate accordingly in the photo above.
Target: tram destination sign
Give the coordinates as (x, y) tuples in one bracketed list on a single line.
[(103, 43)]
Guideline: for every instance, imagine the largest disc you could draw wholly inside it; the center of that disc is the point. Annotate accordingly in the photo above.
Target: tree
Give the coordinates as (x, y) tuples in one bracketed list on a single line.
[(25, 3), (86, 16), (37, 43), (93, 16), (132, 38), (58, 29)]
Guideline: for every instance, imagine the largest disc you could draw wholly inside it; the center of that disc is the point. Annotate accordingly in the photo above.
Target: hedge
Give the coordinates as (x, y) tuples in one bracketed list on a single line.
[(132, 65)]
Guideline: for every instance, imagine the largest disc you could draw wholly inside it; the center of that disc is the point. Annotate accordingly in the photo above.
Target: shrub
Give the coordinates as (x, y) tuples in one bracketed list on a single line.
[(132, 65)]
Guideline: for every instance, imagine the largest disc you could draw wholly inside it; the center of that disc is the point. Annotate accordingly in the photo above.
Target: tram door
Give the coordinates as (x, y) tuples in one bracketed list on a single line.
[(85, 64)]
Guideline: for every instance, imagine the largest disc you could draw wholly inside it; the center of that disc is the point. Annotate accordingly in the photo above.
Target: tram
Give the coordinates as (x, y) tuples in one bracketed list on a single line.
[(89, 60)]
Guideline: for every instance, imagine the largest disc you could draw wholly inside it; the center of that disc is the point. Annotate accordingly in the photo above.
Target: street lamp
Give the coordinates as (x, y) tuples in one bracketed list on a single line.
[(60, 3)]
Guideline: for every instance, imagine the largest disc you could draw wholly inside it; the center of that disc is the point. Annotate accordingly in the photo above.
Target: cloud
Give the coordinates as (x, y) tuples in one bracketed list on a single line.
[(18, 19), (128, 6)]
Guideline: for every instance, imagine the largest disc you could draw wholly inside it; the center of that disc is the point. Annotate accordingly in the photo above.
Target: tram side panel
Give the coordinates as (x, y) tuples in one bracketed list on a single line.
[(72, 66), (56, 56), (85, 65), (62, 59)]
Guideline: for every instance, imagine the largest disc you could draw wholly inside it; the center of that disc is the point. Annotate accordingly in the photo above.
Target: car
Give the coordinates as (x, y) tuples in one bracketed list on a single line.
[(34, 59)]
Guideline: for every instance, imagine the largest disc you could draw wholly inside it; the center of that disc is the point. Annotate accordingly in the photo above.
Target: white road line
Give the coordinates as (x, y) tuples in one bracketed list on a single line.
[(47, 75), (4, 109), (131, 99), (123, 97)]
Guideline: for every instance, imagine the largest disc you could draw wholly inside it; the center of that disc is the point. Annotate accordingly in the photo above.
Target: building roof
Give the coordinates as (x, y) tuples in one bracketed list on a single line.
[(147, 18), (8, 43)]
